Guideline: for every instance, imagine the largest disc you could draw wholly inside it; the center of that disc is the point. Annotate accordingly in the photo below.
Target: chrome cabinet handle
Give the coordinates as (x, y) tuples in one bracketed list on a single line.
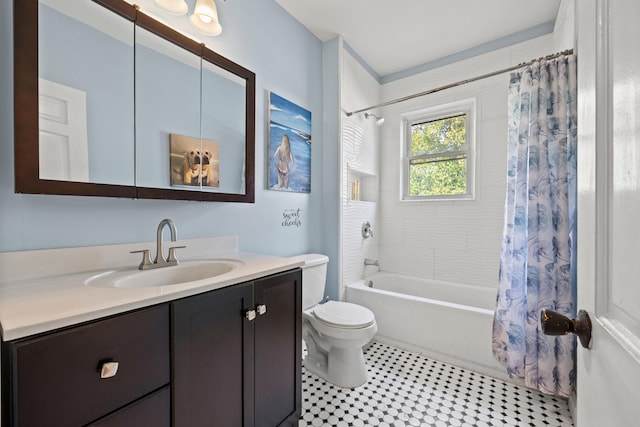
[(250, 315), (556, 324), (261, 308), (108, 369)]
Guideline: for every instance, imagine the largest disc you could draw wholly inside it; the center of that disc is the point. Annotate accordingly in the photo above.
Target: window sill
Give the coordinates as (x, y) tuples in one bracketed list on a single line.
[(442, 199)]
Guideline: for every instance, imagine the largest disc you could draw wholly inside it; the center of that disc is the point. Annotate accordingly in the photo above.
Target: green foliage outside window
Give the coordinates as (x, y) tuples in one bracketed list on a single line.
[(438, 157)]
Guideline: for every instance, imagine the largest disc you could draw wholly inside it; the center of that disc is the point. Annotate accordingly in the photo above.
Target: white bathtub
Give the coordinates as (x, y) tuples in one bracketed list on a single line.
[(445, 321)]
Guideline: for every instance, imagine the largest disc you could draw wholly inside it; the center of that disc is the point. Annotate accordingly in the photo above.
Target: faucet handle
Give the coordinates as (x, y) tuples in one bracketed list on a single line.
[(146, 259), (172, 253), (367, 231)]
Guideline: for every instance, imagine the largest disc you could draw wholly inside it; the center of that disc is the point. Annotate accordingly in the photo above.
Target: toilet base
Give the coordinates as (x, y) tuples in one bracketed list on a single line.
[(344, 367)]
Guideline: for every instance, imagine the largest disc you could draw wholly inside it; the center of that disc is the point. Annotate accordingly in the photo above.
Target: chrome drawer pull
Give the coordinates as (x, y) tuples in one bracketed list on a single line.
[(262, 309), (250, 314), (108, 369)]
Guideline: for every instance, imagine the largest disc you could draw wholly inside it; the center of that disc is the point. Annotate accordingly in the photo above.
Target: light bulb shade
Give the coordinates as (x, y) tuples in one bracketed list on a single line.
[(205, 18), (174, 7)]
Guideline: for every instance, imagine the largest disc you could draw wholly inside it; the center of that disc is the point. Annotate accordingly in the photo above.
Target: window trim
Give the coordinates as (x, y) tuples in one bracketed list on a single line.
[(438, 112)]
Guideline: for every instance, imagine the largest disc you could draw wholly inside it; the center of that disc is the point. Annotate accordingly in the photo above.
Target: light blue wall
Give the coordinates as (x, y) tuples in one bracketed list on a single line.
[(332, 158), (286, 58)]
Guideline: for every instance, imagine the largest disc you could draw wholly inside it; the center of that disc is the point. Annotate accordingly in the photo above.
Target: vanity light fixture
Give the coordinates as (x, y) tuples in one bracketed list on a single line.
[(174, 7), (205, 18), (379, 120)]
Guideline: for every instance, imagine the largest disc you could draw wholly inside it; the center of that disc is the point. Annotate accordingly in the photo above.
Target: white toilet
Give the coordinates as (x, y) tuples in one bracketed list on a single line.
[(334, 332)]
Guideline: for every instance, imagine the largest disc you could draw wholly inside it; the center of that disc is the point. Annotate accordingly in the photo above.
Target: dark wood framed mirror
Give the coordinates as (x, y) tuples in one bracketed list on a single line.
[(147, 95)]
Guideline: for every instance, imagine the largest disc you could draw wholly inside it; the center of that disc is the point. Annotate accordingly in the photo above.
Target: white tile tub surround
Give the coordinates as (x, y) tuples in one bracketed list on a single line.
[(360, 151), (457, 241), (43, 290)]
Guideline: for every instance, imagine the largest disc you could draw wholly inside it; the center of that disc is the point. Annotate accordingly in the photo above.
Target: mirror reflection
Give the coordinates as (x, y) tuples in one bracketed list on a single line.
[(111, 102), (86, 69), (167, 114), (224, 123)]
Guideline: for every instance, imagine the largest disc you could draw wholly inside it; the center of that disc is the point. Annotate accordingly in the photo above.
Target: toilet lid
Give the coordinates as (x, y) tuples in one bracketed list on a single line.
[(344, 315)]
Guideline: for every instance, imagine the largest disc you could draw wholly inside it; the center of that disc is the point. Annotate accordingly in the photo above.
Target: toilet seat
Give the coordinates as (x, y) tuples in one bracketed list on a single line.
[(343, 315)]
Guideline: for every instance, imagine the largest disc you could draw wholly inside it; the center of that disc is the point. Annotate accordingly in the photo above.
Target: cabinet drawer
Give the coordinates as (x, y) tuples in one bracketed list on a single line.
[(153, 410), (55, 379)]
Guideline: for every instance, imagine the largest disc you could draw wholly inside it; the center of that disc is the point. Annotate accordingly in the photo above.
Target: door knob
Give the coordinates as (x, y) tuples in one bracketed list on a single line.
[(556, 324)]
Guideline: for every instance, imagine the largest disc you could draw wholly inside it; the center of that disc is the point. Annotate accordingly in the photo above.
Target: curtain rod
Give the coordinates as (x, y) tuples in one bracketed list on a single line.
[(461, 82)]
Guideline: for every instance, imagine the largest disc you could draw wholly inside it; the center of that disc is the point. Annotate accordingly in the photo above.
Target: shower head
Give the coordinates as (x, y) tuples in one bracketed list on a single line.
[(379, 120)]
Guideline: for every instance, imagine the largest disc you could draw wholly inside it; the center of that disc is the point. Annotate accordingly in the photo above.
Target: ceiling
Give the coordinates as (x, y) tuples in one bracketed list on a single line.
[(396, 35)]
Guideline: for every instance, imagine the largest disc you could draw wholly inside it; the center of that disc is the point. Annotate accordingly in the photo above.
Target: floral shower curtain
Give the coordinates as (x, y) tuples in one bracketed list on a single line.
[(537, 264)]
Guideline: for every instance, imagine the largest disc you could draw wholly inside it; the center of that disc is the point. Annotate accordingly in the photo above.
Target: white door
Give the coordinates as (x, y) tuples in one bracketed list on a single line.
[(608, 392), (63, 145)]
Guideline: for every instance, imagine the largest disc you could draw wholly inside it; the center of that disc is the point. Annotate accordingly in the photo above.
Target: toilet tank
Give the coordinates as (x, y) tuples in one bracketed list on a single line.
[(314, 276)]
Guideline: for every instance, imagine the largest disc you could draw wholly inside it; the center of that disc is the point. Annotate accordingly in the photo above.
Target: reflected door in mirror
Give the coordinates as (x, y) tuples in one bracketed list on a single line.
[(85, 67)]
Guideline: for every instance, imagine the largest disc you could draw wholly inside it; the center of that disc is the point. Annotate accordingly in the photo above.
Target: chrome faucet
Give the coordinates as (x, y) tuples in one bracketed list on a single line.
[(160, 260), (368, 261)]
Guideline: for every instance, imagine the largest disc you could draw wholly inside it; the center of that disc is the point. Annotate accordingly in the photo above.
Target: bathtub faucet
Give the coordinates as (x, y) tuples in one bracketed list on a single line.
[(368, 261)]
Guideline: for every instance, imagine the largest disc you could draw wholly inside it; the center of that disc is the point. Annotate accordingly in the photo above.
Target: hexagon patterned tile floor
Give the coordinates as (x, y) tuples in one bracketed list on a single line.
[(408, 389)]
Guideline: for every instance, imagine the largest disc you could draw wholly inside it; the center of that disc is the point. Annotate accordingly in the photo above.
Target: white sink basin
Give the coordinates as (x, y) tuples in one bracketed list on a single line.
[(185, 272)]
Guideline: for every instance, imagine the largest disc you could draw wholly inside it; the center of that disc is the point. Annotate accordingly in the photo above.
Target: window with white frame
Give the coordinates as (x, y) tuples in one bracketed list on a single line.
[(439, 155)]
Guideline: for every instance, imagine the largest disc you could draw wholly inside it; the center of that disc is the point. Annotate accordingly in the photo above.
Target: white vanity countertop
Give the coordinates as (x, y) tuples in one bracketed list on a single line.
[(45, 290)]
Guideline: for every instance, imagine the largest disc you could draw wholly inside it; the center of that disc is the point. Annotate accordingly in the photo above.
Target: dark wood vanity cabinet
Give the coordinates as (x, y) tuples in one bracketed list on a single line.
[(153, 410), (237, 355), (278, 350), (55, 379), (212, 358), (228, 357)]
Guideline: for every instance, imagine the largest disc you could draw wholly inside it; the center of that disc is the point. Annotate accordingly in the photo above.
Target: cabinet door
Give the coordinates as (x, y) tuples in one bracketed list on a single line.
[(212, 349), (278, 349)]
